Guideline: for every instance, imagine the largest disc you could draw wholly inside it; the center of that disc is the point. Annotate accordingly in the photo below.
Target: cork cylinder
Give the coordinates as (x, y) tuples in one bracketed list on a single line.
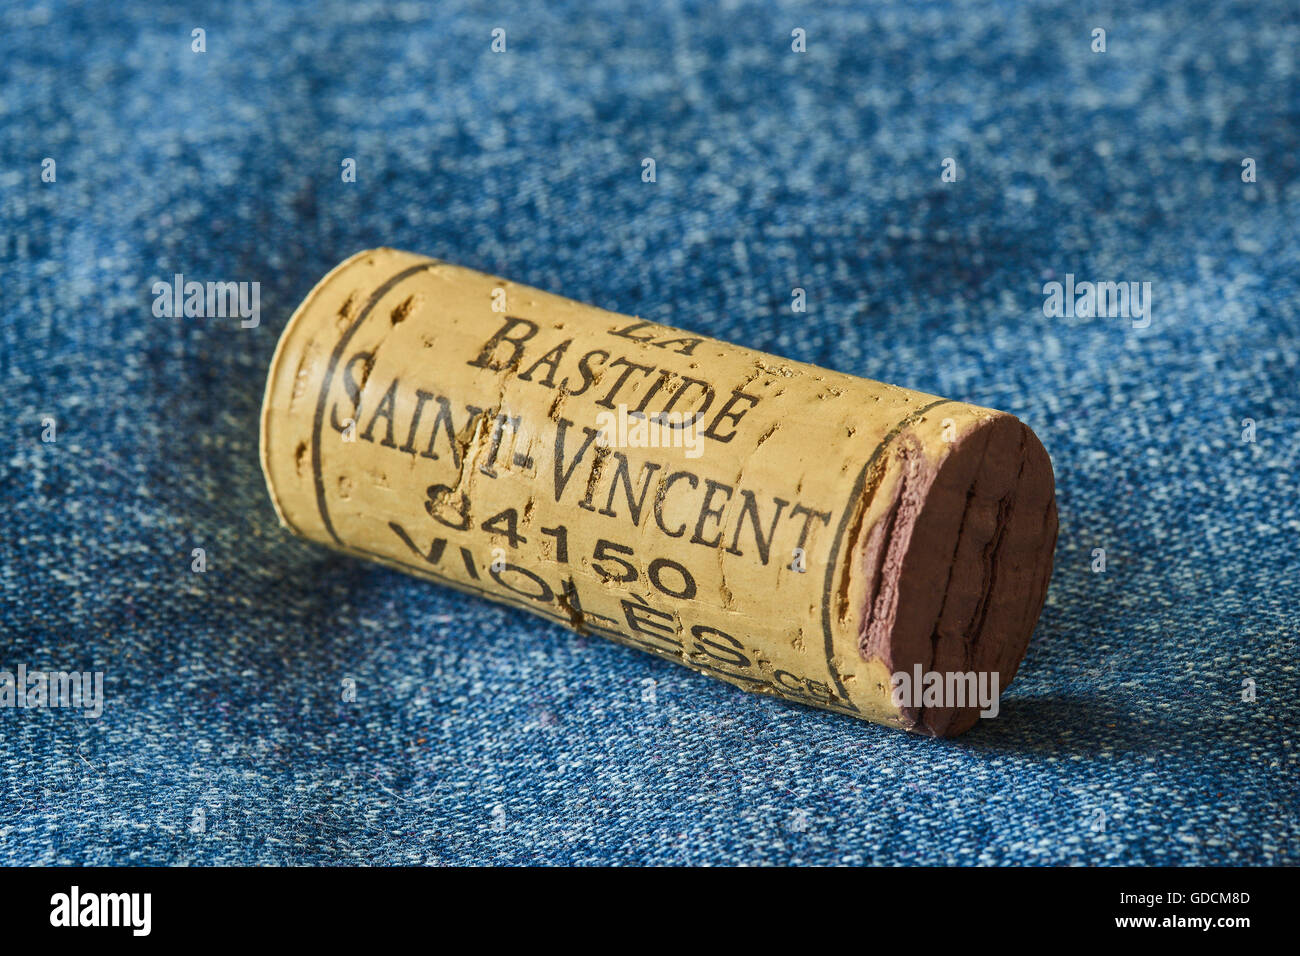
[(793, 531)]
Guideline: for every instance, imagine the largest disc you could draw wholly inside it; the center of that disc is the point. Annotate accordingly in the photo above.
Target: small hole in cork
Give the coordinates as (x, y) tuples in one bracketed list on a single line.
[(402, 310)]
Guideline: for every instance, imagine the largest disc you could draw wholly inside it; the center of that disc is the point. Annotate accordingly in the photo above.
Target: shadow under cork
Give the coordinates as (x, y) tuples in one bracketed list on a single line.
[(1090, 725), (1068, 724)]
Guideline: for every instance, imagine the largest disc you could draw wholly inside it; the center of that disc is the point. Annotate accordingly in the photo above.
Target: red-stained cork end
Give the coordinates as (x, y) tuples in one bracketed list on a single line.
[(959, 567)]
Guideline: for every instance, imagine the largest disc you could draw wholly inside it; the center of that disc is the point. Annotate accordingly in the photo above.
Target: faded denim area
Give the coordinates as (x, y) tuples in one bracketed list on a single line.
[(483, 735)]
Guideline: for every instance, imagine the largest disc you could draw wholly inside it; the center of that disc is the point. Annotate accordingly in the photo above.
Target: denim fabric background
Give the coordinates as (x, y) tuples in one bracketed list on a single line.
[(483, 735)]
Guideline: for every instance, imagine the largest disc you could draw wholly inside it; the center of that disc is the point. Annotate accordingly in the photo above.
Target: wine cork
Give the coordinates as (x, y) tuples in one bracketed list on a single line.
[(793, 531)]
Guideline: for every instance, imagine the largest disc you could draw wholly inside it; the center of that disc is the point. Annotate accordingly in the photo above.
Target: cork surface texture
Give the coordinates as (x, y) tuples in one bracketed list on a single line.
[(788, 529)]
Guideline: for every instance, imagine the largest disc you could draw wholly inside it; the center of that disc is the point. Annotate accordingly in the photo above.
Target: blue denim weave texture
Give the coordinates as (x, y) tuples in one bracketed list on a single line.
[(482, 735)]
